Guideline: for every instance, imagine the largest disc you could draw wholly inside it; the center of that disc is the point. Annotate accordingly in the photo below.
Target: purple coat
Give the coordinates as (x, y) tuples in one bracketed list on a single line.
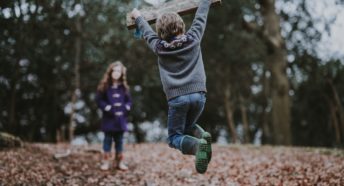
[(115, 103)]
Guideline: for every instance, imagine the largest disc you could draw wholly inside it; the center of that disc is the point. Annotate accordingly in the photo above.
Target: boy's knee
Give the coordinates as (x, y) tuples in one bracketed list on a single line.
[(174, 141)]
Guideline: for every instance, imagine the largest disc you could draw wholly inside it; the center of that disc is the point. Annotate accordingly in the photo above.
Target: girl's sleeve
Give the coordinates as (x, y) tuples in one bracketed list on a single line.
[(102, 102)]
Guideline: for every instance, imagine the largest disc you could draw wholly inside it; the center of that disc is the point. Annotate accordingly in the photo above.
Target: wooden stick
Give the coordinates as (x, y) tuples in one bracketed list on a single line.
[(182, 7)]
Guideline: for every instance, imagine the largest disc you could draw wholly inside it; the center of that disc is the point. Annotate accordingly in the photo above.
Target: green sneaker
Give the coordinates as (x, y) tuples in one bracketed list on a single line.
[(207, 137), (201, 162)]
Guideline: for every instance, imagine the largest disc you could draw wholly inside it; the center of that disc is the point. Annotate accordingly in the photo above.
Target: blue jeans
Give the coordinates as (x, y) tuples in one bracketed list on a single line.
[(113, 136), (183, 112)]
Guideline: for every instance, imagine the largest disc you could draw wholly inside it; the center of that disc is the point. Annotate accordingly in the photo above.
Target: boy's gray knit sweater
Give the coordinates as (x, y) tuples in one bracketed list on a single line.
[(180, 59)]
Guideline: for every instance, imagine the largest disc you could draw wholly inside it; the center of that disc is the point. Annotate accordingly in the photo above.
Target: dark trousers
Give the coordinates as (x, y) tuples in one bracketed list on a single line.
[(117, 137), (183, 113)]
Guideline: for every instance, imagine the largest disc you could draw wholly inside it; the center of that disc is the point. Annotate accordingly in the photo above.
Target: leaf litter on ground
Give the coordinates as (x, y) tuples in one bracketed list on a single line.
[(157, 164)]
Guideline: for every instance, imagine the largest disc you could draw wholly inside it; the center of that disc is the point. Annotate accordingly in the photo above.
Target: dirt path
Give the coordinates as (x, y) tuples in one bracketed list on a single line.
[(157, 164)]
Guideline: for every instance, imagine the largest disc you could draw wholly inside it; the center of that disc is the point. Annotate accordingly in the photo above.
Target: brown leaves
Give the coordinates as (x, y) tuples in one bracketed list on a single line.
[(157, 164)]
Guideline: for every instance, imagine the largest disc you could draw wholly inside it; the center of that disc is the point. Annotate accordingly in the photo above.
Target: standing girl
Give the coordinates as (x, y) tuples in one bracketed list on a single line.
[(113, 99)]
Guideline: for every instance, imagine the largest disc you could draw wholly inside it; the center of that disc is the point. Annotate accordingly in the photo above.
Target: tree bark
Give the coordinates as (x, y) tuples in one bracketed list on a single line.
[(76, 92), (229, 115), (138, 134), (334, 121), (280, 113), (244, 121), (264, 117), (338, 111), (12, 109), (13, 124), (58, 136)]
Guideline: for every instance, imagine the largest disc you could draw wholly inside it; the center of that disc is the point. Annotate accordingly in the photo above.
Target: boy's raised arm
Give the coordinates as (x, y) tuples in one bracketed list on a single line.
[(148, 34), (199, 23)]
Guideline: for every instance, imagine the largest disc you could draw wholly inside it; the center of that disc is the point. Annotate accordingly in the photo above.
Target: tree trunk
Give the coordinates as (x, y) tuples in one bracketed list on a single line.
[(264, 118), (229, 115), (334, 121), (58, 135), (12, 105), (13, 126), (244, 121), (138, 134), (12, 111), (280, 114), (76, 92), (338, 111)]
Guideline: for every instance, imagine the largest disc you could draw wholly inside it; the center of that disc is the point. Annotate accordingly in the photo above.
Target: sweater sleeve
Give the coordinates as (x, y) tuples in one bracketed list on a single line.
[(199, 23), (148, 34), (127, 100), (102, 102)]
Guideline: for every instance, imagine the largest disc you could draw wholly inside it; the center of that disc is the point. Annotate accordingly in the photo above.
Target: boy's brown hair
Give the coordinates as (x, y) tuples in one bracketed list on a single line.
[(169, 24)]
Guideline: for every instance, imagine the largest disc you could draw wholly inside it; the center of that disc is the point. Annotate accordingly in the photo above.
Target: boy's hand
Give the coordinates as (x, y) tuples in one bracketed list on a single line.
[(135, 13)]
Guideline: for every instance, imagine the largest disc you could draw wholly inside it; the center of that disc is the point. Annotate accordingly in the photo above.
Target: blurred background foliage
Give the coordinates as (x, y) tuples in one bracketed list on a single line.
[(267, 83)]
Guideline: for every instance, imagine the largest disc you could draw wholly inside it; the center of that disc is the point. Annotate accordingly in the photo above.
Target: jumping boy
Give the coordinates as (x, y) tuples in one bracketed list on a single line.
[(183, 78)]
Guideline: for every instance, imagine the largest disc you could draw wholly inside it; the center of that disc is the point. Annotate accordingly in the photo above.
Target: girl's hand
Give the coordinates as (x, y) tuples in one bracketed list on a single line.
[(107, 108), (135, 14)]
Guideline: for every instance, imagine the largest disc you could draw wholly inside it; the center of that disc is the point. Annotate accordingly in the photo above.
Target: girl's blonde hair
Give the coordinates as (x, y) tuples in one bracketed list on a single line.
[(169, 24), (107, 81)]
